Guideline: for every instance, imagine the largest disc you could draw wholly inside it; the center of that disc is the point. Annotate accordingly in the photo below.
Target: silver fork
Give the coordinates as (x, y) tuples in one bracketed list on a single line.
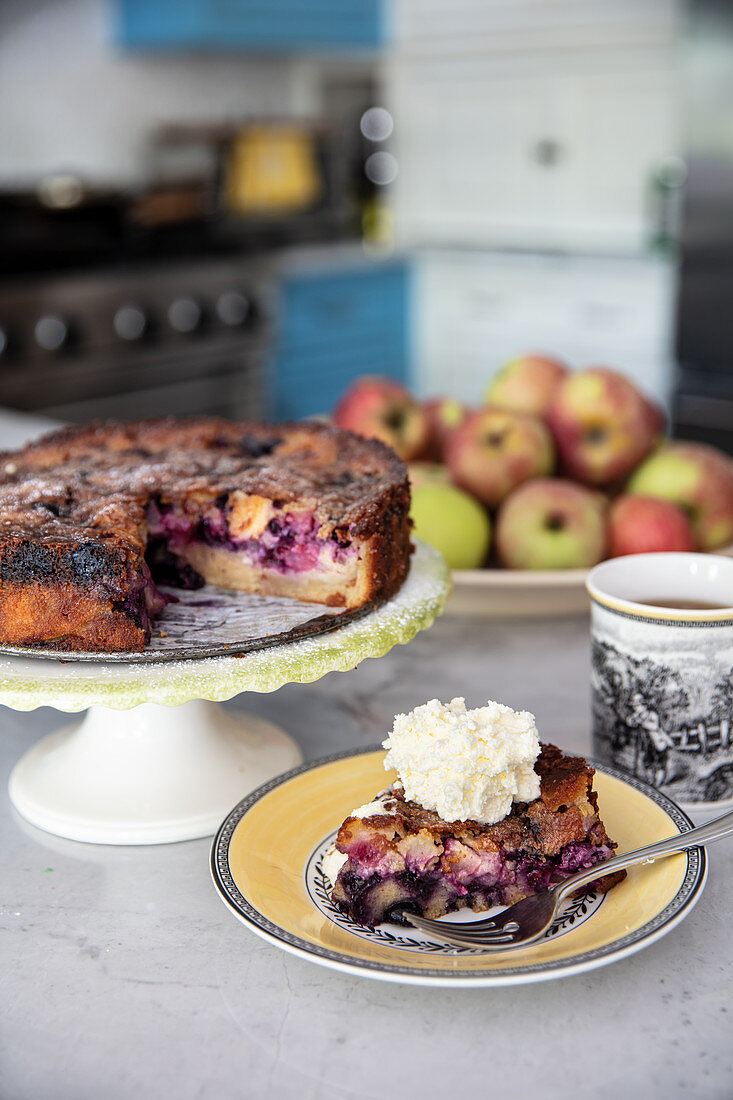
[(527, 921)]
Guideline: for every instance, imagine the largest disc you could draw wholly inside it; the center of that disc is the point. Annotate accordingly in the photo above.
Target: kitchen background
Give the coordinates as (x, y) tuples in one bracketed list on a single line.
[(238, 206)]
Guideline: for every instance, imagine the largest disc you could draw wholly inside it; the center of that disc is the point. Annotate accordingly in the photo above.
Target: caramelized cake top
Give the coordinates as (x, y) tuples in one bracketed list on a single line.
[(556, 818), (98, 478)]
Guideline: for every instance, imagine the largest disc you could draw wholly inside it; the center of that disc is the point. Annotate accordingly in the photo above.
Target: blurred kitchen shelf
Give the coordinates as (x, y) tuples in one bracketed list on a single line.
[(406, 26), (251, 24)]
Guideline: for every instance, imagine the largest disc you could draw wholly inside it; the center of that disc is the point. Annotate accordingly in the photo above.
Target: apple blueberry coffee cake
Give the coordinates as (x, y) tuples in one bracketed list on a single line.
[(481, 816), (92, 517)]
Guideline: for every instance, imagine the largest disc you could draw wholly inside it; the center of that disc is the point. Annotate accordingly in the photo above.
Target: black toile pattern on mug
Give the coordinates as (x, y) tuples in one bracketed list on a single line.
[(670, 723)]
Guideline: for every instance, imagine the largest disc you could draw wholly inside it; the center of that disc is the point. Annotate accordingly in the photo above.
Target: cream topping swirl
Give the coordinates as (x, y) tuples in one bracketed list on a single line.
[(465, 764)]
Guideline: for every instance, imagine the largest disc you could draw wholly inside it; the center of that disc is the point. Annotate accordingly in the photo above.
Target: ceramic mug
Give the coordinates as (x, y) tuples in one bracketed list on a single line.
[(662, 672)]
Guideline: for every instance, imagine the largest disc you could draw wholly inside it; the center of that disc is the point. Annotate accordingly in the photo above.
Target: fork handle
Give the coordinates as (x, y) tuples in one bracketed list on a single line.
[(694, 838)]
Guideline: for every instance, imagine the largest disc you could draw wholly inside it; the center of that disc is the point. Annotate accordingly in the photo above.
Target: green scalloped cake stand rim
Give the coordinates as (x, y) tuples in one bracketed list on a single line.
[(27, 682)]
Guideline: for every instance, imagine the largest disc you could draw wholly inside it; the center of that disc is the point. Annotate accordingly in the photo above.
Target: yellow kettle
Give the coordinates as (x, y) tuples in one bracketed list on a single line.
[(273, 170)]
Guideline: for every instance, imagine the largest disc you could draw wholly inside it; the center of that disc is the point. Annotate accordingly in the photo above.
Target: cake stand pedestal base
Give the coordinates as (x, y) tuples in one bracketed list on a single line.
[(149, 775), (135, 771)]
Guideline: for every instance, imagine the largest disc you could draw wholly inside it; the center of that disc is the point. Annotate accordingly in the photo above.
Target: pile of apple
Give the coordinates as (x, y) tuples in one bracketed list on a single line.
[(557, 470)]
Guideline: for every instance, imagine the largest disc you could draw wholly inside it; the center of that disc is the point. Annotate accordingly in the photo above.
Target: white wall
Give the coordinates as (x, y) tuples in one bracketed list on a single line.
[(71, 99), (467, 131)]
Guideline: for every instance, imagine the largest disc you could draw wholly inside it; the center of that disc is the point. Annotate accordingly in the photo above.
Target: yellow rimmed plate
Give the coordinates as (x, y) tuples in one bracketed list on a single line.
[(267, 865)]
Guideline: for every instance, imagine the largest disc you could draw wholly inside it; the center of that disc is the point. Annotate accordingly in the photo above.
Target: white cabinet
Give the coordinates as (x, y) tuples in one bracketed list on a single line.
[(615, 128), (530, 124), (507, 154), (474, 311), (535, 127), (419, 26), (463, 140)]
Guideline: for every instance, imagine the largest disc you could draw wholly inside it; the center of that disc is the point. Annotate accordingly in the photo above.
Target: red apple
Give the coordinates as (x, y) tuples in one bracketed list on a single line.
[(699, 479), (642, 525), (381, 408), (550, 523), (526, 384), (444, 414), (494, 450), (603, 425)]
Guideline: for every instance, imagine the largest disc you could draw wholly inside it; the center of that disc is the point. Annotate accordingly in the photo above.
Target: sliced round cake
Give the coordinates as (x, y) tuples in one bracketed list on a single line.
[(92, 517)]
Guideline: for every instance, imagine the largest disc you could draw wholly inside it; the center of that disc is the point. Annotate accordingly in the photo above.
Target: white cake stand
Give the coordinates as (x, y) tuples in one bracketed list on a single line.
[(156, 758)]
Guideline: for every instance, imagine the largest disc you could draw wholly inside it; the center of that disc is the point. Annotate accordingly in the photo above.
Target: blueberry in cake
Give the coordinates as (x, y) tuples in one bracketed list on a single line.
[(92, 517), (397, 854)]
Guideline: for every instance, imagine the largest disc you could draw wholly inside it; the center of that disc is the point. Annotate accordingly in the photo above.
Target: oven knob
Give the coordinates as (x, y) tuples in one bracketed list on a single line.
[(232, 308), (51, 332), (129, 322), (184, 315)]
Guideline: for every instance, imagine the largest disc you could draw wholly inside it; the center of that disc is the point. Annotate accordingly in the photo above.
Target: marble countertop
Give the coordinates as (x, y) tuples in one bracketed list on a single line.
[(124, 975)]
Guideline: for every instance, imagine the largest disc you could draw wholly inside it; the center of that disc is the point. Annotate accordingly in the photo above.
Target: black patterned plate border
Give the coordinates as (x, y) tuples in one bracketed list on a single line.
[(663, 922)]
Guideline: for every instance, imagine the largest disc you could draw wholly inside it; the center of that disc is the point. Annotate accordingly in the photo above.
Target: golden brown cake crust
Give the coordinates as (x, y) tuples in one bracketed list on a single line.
[(350, 479), (73, 512), (564, 779)]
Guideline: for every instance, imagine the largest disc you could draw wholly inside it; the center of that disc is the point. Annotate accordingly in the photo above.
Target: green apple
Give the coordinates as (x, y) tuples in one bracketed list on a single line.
[(453, 522), (550, 523)]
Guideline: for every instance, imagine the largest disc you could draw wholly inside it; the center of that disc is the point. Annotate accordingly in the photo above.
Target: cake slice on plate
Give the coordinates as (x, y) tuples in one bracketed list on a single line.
[(397, 852)]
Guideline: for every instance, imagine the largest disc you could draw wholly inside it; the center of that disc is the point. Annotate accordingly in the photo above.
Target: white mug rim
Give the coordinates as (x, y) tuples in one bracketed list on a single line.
[(657, 561)]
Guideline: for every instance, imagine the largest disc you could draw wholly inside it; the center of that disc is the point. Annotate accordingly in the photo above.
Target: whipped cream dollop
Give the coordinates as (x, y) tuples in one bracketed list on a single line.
[(465, 764), (383, 804)]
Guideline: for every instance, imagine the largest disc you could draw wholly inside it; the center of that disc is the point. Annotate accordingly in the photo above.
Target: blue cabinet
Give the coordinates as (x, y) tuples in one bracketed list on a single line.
[(251, 24), (335, 326)]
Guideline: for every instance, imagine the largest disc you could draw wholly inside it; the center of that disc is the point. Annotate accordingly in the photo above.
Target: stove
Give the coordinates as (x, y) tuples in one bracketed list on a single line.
[(173, 338)]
